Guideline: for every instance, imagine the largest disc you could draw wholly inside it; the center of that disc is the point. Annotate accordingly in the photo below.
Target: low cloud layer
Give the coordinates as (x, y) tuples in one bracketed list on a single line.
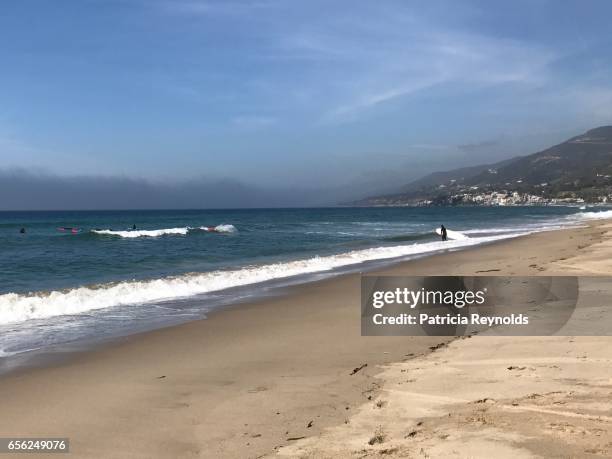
[(23, 190)]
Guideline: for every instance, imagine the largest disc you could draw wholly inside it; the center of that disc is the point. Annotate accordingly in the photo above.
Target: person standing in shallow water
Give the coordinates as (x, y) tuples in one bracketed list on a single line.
[(443, 232)]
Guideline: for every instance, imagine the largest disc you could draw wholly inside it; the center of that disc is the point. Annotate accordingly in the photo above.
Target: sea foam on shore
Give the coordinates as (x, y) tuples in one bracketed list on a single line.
[(21, 307)]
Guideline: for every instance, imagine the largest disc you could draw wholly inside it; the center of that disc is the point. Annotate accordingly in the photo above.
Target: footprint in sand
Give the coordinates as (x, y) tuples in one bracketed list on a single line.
[(258, 389)]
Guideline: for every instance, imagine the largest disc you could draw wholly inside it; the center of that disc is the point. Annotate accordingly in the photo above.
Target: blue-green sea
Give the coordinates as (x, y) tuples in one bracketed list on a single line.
[(86, 275)]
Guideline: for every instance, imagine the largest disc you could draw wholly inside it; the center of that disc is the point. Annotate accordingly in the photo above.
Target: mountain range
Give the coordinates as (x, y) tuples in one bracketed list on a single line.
[(579, 168)]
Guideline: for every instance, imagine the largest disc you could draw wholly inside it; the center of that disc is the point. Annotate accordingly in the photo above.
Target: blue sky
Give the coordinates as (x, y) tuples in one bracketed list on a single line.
[(310, 93)]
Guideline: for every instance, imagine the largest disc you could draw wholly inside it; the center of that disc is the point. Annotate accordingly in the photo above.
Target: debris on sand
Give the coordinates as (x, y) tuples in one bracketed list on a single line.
[(379, 436), (355, 370)]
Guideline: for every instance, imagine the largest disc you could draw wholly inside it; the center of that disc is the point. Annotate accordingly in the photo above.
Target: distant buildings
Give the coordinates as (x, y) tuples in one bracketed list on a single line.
[(471, 197), (515, 193)]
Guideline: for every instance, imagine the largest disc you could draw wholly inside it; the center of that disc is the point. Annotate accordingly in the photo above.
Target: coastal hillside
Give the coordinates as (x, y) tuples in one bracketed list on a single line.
[(577, 170)]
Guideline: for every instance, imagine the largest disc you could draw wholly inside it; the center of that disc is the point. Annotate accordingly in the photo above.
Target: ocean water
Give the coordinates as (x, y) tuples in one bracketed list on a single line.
[(104, 279)]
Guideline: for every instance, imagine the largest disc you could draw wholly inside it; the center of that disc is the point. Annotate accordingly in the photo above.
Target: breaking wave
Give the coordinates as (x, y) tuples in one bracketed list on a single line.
[(220, 228), (142, 233), (161, 232), (595, 215), (21, 307)]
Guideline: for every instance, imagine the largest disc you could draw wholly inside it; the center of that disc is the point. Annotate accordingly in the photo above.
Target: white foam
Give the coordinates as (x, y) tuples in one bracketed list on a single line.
[(161, 232), (595, 215), (450, 234), (456, 235), (535, 228), (225, 228), (143, 233), (21, 307), (491, 230)]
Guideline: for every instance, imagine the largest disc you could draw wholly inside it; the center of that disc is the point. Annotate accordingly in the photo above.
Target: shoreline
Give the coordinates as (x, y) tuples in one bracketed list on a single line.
[(271, 288), (35, 299), (219, 383)]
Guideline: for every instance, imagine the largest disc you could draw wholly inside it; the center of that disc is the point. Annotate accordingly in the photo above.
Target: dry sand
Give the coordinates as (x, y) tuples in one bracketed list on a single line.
[(251, 380), (503, 397)]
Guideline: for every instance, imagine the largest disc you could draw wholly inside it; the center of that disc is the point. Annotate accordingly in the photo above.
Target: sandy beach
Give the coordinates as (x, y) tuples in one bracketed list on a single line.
[(292, 376), (246, 229)]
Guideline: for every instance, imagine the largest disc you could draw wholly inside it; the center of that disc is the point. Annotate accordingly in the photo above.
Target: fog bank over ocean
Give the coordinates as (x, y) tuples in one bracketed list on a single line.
[(25, 190)]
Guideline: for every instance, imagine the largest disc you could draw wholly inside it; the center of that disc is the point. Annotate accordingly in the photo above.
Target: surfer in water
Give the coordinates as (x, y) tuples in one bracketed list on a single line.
[(22, 231), (134, 227), (69, 229), (443, 232)]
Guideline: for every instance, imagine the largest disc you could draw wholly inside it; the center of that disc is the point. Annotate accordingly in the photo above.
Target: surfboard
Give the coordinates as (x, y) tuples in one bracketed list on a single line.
[(450, 234), (69, 229)]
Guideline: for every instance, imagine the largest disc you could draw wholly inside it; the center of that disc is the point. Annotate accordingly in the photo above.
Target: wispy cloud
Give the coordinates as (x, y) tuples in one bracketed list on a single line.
[(388, 58), (361, 102), (354, 61)]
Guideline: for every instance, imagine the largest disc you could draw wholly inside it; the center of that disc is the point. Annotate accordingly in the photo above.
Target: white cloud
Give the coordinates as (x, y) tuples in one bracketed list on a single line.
[(340, 64), (382, 58)]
